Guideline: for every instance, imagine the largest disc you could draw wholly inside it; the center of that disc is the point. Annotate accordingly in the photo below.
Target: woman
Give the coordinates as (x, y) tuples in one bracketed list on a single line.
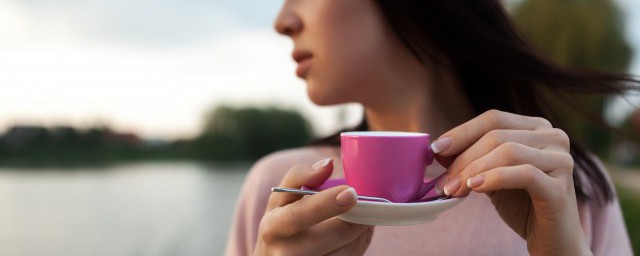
[(458, 70)]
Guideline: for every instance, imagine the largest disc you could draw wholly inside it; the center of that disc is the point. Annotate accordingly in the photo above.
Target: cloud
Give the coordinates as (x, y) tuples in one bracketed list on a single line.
[(14, 25), (160, 22), (153, 67), (153, 91)]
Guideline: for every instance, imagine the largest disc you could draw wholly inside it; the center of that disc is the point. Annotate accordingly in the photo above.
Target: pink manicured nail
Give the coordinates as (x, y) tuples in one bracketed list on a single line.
[(452, 186), (475, 182), (439, 188), (441, 144), (346, 197), (321, 164)]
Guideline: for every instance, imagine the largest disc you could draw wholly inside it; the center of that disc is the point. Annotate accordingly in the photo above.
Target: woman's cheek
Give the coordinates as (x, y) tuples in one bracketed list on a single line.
[(343, 78)]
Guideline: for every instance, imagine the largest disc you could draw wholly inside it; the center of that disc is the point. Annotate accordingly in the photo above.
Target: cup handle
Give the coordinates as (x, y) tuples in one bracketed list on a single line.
[(428, 186)]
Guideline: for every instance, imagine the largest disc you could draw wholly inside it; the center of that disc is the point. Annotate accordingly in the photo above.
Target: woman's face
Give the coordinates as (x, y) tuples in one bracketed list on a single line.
[(345, 50)]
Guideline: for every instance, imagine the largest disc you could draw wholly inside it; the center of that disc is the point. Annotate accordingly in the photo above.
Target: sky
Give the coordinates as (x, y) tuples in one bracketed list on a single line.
[(157, 67)]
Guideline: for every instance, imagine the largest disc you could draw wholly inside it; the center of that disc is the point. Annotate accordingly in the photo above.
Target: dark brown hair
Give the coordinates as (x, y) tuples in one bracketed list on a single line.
[(498, 69)]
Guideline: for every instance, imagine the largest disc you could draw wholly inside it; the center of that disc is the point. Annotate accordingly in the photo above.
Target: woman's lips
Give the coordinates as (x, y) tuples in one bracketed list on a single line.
[(303, 67), (303, 58)]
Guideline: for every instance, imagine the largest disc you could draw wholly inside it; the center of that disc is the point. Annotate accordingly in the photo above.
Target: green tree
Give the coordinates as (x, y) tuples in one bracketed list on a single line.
[(250, 133), (584, 34)]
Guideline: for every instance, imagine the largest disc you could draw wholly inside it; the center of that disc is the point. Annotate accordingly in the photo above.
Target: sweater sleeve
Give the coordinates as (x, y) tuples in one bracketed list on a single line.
[(604, 225), (608, 231)]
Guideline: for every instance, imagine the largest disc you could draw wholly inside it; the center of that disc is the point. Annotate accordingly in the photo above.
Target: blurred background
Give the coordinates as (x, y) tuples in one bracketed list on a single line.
[(127, 127)]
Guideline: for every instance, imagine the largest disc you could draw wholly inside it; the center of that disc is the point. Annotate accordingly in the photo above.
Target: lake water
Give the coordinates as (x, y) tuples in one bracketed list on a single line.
[(135, 209)]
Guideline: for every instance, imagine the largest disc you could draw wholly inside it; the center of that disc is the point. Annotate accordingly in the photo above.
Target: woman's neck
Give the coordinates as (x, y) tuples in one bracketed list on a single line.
[(433, 106), (404, 118)]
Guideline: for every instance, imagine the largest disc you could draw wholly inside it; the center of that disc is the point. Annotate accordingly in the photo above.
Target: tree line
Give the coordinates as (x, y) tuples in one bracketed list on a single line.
[(228, 134)]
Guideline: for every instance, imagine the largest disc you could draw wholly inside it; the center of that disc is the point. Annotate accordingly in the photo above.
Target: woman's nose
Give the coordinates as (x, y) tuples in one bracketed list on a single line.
[(288, 23)]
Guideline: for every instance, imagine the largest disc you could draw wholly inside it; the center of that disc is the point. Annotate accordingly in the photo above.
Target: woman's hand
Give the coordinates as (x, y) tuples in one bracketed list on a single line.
[(293, 225), (523, 164)]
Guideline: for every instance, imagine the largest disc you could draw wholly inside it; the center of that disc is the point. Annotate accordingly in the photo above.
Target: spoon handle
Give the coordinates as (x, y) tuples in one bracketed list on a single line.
[(294, 191), (313, 192)]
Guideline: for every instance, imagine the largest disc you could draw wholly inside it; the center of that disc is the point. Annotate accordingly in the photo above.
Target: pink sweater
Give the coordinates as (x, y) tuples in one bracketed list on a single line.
[(471, 228)]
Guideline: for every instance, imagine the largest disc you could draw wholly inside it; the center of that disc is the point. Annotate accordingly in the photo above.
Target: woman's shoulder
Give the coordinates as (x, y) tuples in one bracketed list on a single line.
[(274, 166), (594, 188), (602, 221)]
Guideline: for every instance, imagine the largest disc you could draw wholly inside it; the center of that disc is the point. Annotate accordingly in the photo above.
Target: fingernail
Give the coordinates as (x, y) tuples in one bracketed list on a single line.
[(346, 197), (321, 164), (452, 187), (441, 144), (475, 182), (440, 185)]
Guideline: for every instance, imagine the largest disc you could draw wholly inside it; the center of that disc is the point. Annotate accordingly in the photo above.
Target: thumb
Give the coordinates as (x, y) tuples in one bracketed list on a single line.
[(303, 214), (298, 176)]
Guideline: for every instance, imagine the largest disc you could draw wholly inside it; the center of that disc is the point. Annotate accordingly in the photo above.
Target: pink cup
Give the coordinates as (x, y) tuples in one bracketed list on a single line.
[(390, 165)]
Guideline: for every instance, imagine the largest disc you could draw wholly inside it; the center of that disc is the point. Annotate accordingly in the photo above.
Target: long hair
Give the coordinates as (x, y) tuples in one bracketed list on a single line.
[(498, 69)]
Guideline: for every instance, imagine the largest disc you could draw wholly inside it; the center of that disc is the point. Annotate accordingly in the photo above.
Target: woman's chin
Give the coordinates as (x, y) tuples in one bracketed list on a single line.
[(322, 99), (326, 93)]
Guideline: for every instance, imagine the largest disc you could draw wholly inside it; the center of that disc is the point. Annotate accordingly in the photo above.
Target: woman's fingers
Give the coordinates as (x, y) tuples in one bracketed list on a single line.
[(327, 237), (357, 247), (538, 184), (298, 176), (547, 139), (502, 139), (294, 225), (510, 154), (465, 135), (550, 139), (299, 216), (324, 239)]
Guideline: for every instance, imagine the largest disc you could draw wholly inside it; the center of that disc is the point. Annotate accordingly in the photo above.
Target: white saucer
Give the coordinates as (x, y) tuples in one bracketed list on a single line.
[(397, 214), (393, 214)]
